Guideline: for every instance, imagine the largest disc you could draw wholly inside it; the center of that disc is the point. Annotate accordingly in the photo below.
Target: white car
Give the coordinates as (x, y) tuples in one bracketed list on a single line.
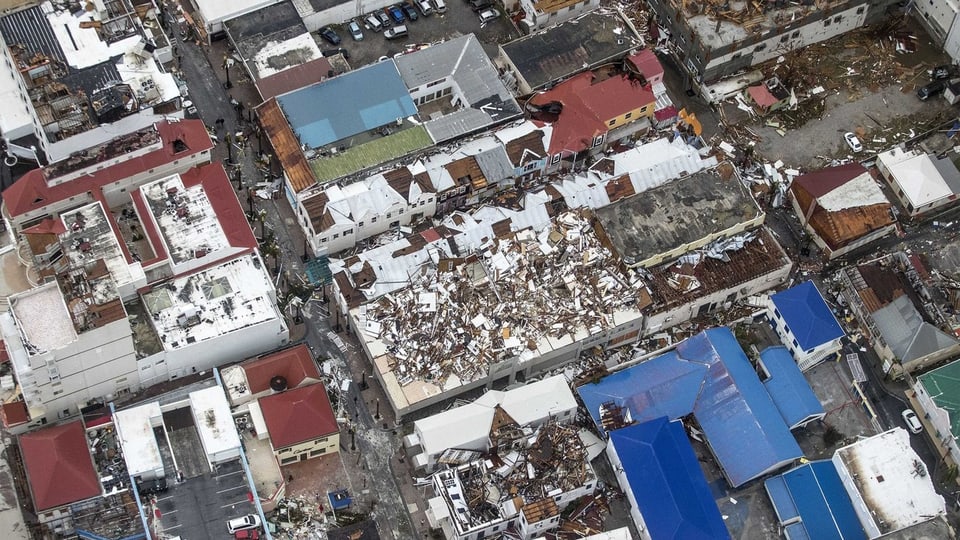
[(488, 15), (913, 423), (249, 521), (853, 141)]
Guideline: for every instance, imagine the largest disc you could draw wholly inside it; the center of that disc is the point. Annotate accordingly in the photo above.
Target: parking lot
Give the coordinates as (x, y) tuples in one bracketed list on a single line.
[(459, 19), (201, 506)]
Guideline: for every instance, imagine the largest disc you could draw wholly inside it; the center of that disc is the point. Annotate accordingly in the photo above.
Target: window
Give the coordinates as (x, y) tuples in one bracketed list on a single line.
[(826, 23), (784, 38), (556, 159), (395, 224), (360, 224), (348, 231), (323, 240), (837, 19), (612, 122), (629, 115), (860, 10), (760, 47), (373, 219), (795, 34), (389, 215), (336, 235), (598, 140)]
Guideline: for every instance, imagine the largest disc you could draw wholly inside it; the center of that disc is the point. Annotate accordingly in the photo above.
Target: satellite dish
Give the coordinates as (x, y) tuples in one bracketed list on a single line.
[(278, 383)]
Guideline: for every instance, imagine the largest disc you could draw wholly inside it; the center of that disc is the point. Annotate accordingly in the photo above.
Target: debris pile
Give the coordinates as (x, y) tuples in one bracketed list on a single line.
[(522, 288)]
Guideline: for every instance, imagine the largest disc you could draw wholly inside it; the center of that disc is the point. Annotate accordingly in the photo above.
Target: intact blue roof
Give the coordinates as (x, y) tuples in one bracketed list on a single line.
[(814, 493), (788, 388), (667, 483), (807, 315), (344, 106), (710, 376), (666, 385), (734, 410)]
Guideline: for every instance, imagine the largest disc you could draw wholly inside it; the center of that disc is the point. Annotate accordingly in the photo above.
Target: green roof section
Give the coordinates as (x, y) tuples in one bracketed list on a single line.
[(943, 387), (370, 154)]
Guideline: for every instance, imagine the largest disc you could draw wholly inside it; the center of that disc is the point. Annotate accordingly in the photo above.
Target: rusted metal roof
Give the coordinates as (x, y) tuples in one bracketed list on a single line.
[(285, 145)]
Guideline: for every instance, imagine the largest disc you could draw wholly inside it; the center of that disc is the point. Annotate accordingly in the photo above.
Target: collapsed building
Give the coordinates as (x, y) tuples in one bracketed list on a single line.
[(518, 488)]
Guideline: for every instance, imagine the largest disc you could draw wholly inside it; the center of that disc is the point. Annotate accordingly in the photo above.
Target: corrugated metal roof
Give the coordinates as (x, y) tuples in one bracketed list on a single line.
[(814, 494), (788, 388), (667, 483), (31, 29), (286, 146), (807, 315), (907, 334)]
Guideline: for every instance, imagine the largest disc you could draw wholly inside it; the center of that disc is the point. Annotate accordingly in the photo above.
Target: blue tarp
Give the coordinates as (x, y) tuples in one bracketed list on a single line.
[(344, 106), (667, 482), (815, 493), (807, 315), (663, 386), (788, 388), (735, 412), (731, 405)]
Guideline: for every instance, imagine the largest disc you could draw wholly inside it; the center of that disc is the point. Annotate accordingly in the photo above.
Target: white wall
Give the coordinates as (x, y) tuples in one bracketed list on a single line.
[(937, 15), (342, 12), (815, 32), (952, 43), (617, 466), (237, 345)]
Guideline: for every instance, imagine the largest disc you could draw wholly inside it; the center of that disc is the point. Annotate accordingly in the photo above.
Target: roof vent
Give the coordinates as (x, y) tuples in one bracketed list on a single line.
[(278, 383)]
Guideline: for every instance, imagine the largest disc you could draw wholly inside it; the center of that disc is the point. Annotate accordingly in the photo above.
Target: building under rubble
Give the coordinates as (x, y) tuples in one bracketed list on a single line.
[(714, 39), (518, 488)]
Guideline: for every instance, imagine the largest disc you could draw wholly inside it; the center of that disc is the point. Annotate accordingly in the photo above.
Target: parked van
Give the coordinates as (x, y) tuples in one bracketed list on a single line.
[(439, 6), (372, 23), (425, 8), (398, 31)]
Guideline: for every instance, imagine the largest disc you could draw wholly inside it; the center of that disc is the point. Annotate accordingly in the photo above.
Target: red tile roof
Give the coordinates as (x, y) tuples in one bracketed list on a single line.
[(31, 192), (58, 464), (294, 364), (14, 413), (225, 203), (647, 64), (298, 415), (588, 106), (761, 96), (286, 146), (293, 78)]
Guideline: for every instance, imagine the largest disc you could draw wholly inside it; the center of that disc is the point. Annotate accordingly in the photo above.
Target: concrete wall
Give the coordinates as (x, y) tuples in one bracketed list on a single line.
[(233, 346), (310, 449), (342, 12), (635, 515), (952, 42), (937, 16), (678, 251)]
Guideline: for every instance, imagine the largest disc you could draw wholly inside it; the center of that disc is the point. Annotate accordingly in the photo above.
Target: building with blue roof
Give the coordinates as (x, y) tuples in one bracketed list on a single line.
[(812, 503), (661, 477), (709, 376), (805, 324), (789, 389), (357, 102)]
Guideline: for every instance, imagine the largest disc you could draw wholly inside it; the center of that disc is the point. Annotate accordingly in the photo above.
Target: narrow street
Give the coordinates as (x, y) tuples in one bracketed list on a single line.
[(376, 441)]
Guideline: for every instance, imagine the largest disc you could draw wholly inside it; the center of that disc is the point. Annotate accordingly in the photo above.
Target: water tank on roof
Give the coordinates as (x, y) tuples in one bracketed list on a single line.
[(278, 383)]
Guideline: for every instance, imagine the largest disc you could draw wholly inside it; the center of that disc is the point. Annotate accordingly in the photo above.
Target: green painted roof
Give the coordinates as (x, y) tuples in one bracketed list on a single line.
[(370, 154), (943, 386)]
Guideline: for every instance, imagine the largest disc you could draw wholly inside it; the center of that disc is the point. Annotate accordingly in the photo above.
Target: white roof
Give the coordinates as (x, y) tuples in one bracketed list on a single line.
[(185, 218), (43, 318), (529, 404), (893, 482), (217, 11), (917, 175), (623, 533), (223, 298), (97, 232), (659, 161), (304, 44), (211, 414), (82, 47), (135, 429), (860, 191)]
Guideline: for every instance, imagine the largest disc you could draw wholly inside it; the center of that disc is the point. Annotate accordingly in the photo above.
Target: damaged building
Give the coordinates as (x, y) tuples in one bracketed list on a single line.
[(518, 488), (714, 39)]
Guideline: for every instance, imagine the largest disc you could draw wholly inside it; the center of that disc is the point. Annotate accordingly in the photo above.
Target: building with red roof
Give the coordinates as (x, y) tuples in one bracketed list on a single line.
[(300, 423), (59, 469), (767, 97), (292, 367), (108, 170), (843, 208), (647, 64), (593, 110)]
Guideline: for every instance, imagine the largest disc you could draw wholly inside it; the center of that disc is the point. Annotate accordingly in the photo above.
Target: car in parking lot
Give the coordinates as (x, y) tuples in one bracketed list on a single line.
[(355, 31), (396, 14), (480, 5), (913, 423), (932, 89), (396, 32), (373, 23), (328, 34), (439, 6), (409, 11), (488, 15), (249, 521), (425, 8), (852, 141), (384, 19), (942, 72)]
